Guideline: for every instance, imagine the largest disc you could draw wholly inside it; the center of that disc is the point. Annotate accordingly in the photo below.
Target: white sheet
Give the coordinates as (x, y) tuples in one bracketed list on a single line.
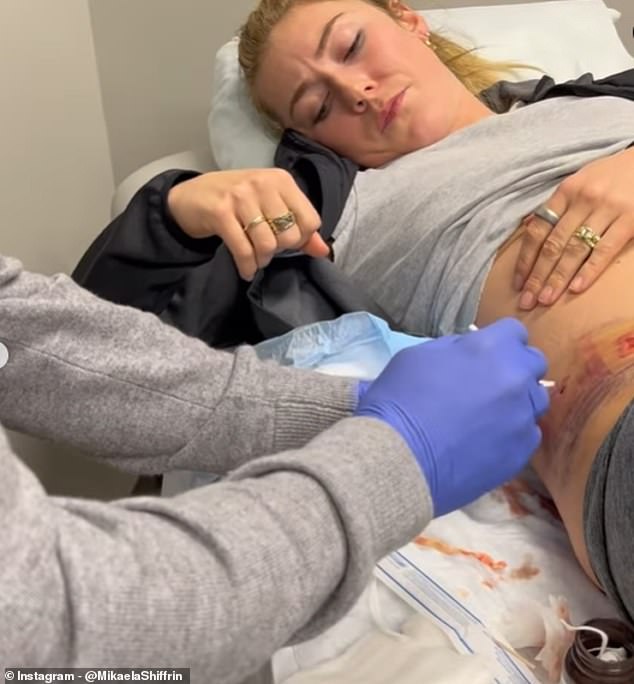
[(504, 562)]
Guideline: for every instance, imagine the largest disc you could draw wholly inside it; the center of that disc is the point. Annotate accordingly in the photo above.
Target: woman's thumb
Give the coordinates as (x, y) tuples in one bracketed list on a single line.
[(316, 247)]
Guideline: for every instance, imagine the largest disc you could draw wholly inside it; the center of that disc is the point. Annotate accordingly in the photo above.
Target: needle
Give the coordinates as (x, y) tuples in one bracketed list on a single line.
[(548, 384)]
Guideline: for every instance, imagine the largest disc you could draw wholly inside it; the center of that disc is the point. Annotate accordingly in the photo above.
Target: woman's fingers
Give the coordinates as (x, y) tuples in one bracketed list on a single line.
[(316, 247), (549, 242), (255, 212), (574, 255), (287, 219), (536, 230), (597, 222), (307, 218), (567, 252), (267, 236), (612, 242), (540, 243), (234, 237)]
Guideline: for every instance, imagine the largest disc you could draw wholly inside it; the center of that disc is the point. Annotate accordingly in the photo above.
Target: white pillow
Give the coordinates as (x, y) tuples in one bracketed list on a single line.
[(564, 38)]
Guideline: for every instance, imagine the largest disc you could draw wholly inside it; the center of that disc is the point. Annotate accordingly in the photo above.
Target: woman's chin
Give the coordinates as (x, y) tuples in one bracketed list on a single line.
[(376, 160)]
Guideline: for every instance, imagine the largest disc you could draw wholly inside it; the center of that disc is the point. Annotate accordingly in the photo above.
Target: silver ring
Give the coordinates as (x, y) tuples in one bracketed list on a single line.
[(547, 215)]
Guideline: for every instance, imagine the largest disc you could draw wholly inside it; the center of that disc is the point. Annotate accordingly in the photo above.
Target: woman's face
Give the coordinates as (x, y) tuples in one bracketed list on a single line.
[(347, 75)]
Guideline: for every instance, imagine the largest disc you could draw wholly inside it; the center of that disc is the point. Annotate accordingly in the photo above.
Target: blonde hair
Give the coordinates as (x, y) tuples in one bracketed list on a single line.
[(476, 73)]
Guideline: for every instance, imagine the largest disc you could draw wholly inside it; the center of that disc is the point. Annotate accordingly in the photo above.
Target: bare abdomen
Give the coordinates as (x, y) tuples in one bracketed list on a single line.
[(589, 342)]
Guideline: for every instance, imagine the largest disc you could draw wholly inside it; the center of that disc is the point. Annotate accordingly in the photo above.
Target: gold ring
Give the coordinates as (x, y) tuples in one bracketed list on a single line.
[(256, 222), (587, 235), (282, 223)]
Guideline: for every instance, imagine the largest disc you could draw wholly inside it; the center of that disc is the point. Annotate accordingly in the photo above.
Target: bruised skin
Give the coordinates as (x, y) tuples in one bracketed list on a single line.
[(589, 342), (602, 365)]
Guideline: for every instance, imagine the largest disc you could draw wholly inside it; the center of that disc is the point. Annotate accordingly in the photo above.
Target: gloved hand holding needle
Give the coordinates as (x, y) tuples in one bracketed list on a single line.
[(467, 408)]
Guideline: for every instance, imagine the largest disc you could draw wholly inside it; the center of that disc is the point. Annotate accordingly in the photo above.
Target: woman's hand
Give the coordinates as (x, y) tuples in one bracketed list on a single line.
[(255, 212), (599, 197)]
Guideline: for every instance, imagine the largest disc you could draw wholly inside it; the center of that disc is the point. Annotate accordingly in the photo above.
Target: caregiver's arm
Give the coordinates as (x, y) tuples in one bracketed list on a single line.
[(117, 382), (216, 579), (219, 578)]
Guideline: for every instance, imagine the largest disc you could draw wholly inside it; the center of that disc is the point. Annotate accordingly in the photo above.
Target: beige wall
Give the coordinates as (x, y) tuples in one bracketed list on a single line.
[(626, 25), (155, 60), (56, 176)]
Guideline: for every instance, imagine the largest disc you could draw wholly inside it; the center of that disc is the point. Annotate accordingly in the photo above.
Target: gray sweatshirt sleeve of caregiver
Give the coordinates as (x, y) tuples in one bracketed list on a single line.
[(215, 579)]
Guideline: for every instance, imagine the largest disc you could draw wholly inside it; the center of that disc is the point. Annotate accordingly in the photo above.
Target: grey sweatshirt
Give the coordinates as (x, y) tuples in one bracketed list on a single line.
[(216, 579)]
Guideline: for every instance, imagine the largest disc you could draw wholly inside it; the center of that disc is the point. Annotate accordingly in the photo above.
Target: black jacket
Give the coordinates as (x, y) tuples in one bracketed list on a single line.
[(144, 259)]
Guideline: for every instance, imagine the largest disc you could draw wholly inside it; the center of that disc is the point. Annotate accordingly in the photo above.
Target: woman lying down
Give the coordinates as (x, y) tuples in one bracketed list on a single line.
[(434, 225)]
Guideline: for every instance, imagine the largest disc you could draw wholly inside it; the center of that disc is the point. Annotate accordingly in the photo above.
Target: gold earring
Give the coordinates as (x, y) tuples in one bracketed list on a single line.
[(428, 43)]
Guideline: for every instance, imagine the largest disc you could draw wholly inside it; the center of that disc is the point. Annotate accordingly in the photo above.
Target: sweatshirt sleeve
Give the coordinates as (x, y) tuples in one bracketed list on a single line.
[(142, 256), (119, 383), (216, 579)]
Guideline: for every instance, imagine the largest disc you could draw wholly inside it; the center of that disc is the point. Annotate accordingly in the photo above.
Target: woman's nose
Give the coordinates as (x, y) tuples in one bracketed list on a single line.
[(356, 93)]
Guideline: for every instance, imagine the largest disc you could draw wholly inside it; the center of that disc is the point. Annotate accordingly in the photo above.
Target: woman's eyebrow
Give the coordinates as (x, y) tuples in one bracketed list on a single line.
[(326, 34), (323, 41)]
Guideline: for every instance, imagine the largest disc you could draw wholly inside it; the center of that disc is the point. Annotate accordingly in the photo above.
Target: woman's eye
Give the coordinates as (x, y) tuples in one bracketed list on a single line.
[(356, 44), (322, 113), (324, 110)]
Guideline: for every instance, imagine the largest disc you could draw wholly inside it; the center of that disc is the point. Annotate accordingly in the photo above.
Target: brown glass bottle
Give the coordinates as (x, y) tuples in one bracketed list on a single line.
[(583, 667)]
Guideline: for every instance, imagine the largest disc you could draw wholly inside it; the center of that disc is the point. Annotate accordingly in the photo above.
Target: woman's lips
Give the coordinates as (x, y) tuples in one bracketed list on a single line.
[(391, 111)]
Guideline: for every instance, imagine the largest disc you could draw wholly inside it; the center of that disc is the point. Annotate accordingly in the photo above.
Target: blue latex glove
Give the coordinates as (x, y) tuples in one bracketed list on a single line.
[(467, 406)]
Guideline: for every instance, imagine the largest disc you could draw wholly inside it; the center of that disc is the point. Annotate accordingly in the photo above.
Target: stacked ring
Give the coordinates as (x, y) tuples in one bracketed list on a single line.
[(256, 222), (281, 224), (587, 235)]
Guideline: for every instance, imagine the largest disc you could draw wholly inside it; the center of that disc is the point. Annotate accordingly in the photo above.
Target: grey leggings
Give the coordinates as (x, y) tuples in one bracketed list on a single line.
[(608, 514)]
